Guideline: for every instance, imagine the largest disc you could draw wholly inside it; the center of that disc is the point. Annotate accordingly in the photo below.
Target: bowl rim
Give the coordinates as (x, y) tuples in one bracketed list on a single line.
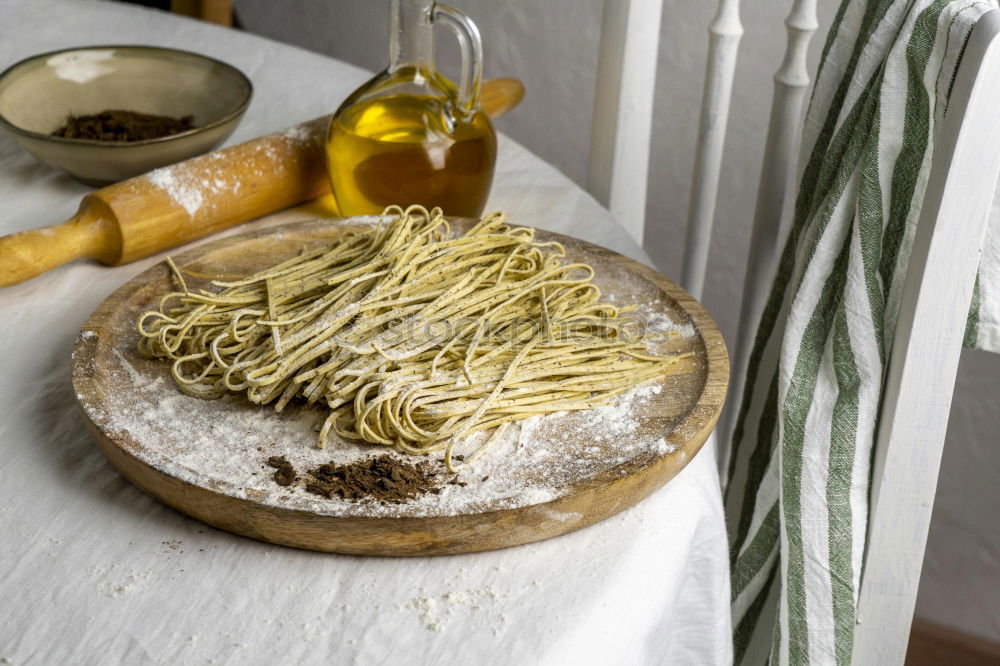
[(236, 113)]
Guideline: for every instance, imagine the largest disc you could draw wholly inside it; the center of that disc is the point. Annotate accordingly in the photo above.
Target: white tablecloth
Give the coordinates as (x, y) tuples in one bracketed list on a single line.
[(93, 571)]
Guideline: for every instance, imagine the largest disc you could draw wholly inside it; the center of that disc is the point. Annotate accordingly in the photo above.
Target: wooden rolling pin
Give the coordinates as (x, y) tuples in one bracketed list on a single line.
[(177, 204)]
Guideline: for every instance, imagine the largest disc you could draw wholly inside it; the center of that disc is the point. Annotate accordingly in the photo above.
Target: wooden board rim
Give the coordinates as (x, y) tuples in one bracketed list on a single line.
[(416, 536)]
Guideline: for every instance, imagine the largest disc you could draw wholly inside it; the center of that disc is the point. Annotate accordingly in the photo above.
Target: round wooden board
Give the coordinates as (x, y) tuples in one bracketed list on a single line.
[(117, 390)]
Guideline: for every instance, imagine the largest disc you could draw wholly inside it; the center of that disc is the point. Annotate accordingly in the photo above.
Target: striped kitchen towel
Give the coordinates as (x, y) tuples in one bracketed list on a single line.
[(799, 473)]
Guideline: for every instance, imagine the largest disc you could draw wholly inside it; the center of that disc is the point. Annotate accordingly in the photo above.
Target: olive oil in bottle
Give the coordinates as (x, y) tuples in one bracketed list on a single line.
[(404, 149), (411, 136)]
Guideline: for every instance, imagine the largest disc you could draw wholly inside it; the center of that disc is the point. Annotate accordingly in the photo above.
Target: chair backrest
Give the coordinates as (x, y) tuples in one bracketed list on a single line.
[(623, 109), (925, 352), (938, 288), (622, 123), (724, 33)]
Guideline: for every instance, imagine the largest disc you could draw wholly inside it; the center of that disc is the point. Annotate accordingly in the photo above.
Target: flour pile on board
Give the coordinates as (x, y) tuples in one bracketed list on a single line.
[(223, 443)]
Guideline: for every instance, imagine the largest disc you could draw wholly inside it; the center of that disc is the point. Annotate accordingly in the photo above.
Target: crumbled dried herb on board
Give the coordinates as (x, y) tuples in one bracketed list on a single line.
[(118, 125), (285, 474), (381, 479)]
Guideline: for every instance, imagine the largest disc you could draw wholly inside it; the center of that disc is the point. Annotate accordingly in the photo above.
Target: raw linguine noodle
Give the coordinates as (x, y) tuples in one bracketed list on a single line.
[(410, 336)]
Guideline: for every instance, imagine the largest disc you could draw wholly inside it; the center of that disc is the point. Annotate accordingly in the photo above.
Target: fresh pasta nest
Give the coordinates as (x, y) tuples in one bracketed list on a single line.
[(407, 335)]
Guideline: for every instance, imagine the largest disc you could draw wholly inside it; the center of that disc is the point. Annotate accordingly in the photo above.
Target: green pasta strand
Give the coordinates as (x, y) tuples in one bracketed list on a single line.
[(409, 335)]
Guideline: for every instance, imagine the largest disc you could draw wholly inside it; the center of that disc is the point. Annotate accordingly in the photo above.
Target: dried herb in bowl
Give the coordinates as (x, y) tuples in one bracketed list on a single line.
[(118, 125)]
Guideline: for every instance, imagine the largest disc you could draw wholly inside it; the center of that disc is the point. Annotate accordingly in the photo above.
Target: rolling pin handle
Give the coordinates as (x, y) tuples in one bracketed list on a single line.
[(27, 254), (116, 225)]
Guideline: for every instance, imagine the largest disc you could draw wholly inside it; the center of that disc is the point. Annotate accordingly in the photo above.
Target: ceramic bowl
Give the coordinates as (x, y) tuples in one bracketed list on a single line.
[(38, 93)]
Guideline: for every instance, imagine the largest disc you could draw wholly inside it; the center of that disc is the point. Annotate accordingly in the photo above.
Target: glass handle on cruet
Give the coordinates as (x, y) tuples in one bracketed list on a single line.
[(471, 44)]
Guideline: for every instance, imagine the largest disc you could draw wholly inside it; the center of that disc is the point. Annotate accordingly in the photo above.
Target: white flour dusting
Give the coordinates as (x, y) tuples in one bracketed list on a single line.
[(648, 314), (223, 444), (661, 324), (116, 580), (179, 187), (661, 447), (137, 378), (428, 609), (297, 133), (196, 184), (436, 612)]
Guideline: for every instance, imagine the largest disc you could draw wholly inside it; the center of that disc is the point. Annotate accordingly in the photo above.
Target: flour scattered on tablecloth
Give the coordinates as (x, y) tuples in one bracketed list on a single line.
[(115, 580), (435, 612), (428, 609)]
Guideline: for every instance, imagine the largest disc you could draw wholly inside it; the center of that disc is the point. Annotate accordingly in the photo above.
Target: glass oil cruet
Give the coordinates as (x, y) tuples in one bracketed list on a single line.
[(410, 135)]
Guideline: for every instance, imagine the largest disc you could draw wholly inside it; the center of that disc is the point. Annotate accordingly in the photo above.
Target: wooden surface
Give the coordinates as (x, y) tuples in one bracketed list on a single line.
[(932, 644), (147, 214), (926, 348), (684, 414), (498, 96), (213, 11)]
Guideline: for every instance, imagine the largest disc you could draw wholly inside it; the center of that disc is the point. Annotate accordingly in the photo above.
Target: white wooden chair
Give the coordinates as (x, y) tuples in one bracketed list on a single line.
[(939, 281), (926, 349), (623, 110)]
